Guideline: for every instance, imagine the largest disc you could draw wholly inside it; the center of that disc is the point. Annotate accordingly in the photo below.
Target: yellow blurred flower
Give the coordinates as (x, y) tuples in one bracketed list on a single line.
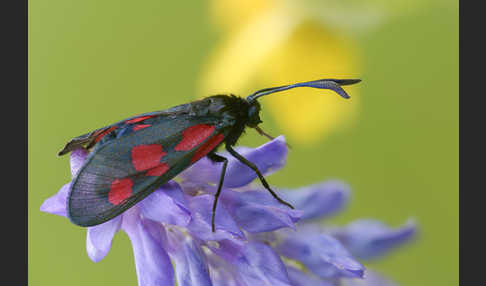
[(269, 44), (232, 14), (310, 52)]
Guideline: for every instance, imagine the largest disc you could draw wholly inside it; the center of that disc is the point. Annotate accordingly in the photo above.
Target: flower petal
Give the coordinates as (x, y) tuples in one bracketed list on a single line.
[(189, 260), (368, 238), (78, 156), (319, 200), (258, 211), (300, 278), (200, 226), (370, 278), (166, 204), (191, 188), (57, 203), (98, 238), (223, 273), (151, 260), (322, 254), (269, 157), (258, 264)]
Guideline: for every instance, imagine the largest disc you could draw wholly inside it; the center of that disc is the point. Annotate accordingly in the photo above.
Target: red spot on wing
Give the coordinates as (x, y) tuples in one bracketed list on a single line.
[(141, 126), (207, 147), (137, 119), (146, 157), (159, 170), (193, 136), (103, 133), (120, 190)]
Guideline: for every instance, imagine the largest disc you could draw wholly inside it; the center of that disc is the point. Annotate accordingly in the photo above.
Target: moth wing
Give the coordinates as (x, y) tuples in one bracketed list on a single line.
[(90, 139), (122, 171)]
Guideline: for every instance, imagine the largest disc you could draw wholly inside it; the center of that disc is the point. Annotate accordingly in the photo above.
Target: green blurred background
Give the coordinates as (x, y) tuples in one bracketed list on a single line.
[(92, 63)]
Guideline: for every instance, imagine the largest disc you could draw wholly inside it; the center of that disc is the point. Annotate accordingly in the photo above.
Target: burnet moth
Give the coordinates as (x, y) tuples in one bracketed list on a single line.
[(133, 157)]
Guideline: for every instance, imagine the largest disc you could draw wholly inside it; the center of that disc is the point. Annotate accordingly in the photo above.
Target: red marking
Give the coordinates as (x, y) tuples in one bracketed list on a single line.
[(141, 126), (120, 190), (159, 170), (193, 136), (146, 157), (207, 147), (103, 133), (137, 119)]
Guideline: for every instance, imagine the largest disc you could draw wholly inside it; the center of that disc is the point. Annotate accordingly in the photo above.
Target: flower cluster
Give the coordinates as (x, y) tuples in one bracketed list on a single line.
[(257, 241)]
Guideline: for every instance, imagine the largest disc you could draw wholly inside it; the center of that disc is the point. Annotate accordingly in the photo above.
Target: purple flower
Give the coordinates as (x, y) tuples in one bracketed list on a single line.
[(257, 241)]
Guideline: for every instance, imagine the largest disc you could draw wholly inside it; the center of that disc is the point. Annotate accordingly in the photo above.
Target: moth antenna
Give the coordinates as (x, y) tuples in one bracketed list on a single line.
[(263, 133), (332, 84)]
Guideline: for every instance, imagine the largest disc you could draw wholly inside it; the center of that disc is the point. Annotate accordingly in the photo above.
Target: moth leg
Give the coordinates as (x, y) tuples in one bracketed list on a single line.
[(260, 176), (217, 158), (270, 137), (263, 133)]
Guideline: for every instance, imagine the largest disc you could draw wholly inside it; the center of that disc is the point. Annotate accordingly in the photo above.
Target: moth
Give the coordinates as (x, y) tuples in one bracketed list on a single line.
[(133, 157)]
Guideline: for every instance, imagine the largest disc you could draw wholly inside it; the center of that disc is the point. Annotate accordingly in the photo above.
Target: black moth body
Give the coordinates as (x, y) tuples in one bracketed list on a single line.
[(133, 157)]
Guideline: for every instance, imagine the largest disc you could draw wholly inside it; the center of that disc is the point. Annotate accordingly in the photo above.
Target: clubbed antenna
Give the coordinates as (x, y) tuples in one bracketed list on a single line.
[(332, 84)]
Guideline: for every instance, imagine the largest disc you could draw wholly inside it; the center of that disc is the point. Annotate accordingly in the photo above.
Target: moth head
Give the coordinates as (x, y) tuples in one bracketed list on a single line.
[(254, 114)]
